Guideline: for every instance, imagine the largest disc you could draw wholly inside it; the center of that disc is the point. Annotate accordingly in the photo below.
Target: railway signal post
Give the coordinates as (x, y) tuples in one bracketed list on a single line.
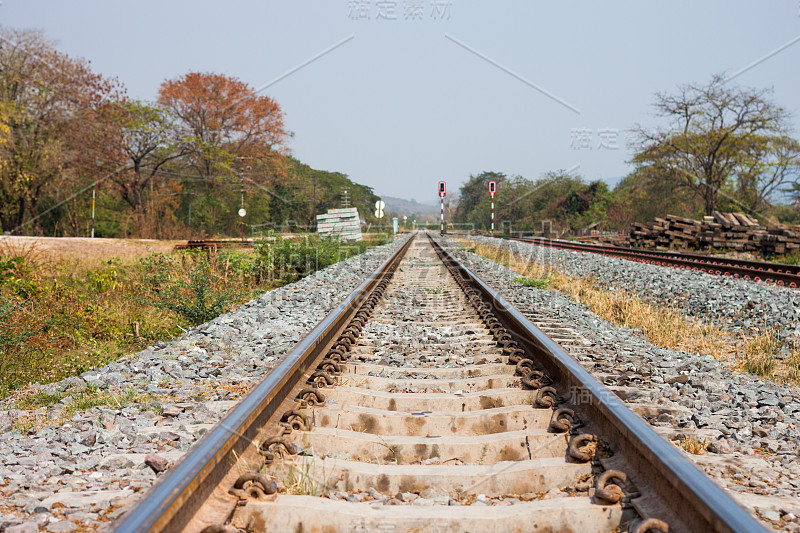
[(442, 194), (492, 191)]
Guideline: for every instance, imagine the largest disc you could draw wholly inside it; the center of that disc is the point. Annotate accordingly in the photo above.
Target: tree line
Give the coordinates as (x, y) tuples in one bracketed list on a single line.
[(724, 148), (178, 167)]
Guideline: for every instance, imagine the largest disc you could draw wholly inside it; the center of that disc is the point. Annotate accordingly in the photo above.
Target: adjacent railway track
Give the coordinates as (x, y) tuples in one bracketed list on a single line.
[(780, 274), (215, 245), (420, 401)]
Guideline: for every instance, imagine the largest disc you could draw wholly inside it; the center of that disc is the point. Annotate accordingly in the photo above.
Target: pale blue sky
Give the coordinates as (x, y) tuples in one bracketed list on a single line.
[(400, 105)]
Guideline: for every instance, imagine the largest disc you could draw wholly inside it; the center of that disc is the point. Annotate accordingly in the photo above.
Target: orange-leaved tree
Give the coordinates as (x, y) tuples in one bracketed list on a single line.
[(228, 128)]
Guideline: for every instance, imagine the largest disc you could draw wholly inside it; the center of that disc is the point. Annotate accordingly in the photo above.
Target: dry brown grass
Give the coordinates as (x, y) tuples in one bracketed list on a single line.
[(694, 445), (759, 351), (80, 254), (662, 326), (793, 366)]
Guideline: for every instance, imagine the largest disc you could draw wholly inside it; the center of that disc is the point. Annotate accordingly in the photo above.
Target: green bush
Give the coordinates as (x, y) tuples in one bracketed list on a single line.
[(235, 264), (15, 275), (15, 359), (8, 268), (289, 260), (198, 297), (105, 279)]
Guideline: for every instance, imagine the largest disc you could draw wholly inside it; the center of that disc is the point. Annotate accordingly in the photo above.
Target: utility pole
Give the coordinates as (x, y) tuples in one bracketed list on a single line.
[(94, 191)]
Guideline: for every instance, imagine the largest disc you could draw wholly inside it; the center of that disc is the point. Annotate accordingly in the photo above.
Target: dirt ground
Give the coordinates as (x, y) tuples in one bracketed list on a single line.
[(84, 251)]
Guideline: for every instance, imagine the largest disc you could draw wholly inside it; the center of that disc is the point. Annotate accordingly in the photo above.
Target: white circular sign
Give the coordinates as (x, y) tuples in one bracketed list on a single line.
[(242, 212), (380, 206), (378, 213)]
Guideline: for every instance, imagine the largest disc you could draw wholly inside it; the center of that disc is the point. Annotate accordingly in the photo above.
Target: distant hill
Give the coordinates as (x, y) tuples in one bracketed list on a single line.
[(409, 207)]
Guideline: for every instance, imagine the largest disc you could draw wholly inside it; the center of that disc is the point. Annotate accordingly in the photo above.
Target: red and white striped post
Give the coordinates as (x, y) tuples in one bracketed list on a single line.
[(442, 194), (492, 191)]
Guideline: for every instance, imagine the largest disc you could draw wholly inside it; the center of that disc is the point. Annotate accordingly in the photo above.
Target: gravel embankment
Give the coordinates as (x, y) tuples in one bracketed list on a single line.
[(82, 472), (753, 426), (735, 304)]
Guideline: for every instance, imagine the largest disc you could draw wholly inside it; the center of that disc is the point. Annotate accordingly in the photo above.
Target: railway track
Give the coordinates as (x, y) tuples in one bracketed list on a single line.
[(214, 245), (421, 401), (780, 274)]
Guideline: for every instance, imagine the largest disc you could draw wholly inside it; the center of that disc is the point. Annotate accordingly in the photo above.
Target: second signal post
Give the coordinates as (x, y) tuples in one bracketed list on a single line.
[(492, 191), (442, 194)]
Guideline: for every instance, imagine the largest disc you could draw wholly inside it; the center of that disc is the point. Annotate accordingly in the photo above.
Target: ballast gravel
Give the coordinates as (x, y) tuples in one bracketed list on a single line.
[(752, 426), (90, 468), (738, 305)]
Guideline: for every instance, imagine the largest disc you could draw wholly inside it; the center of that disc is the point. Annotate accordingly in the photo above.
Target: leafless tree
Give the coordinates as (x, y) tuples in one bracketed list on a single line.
[(717, 133)]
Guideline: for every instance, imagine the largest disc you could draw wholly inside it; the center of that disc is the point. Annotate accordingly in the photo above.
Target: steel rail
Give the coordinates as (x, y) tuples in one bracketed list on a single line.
[(710, 259), (658, 469), (173, 501), (756, 270)]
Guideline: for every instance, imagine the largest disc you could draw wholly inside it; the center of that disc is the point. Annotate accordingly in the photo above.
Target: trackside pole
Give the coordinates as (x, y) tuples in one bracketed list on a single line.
[(492, 191), (442, 194), (492, 216), (93, 195)]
